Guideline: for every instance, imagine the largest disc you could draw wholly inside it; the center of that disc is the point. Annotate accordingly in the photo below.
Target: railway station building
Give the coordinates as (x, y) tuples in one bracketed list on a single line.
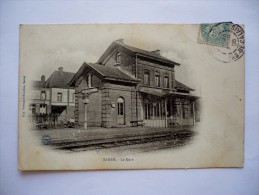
[(129, 86)]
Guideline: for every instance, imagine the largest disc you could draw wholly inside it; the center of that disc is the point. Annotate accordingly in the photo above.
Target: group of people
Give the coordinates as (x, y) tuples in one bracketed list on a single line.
[(43, 120)]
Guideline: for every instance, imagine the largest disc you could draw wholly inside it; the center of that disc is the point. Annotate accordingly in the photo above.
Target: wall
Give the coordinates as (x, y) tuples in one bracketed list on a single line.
[(35, 94), (71, 100), (110, 94), (35, 98), (96, 81), (94, 106), (127, 61), (54, 94), (152, 67), (94, 111), (82, 85)]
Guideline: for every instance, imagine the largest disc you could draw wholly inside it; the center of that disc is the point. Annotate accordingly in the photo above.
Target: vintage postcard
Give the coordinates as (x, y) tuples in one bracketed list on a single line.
[(131, 96)]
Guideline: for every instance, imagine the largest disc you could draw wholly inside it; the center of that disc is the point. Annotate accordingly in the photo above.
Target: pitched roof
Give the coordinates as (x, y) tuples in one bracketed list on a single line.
[(59, 79), (149, 54), (152, 91), (107, 72), (181, 86), (112, 72), (37, 84)]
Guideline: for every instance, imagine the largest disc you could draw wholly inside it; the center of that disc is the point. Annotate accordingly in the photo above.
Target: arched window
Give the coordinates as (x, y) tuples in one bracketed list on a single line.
[(118, 58), (146, 77), (157, 79), (43, 95), (121, 111), (120, 106)]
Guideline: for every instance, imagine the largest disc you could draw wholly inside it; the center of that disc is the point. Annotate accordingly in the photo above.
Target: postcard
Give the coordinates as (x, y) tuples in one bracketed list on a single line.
[(131, 96)]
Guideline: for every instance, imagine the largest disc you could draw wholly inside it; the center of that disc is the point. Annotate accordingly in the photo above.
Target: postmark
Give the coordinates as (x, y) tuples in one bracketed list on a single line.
[(46, 140), (225, 41)]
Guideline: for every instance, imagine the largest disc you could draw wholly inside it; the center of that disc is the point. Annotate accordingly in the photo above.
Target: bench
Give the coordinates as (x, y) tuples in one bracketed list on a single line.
[(137, 123)]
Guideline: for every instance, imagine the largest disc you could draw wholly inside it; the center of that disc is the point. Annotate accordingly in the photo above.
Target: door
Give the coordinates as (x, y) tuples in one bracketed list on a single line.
[(121, 111)]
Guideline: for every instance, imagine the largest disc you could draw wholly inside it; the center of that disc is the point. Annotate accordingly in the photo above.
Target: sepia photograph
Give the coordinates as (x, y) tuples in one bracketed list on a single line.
[(131, 96)]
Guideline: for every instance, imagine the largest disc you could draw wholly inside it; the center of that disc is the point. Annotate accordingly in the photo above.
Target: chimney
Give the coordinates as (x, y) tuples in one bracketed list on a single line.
[(43, 78), (156, 51), (120, 41), (60, 69)]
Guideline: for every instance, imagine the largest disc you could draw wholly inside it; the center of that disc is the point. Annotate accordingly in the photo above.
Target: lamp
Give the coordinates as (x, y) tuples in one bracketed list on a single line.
[(85, 99)]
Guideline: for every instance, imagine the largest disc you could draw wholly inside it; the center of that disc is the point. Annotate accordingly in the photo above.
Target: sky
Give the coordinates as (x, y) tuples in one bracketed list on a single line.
[(45, 48)]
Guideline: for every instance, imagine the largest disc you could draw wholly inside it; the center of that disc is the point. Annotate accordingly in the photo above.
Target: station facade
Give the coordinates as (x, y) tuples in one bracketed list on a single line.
[(129, 86)]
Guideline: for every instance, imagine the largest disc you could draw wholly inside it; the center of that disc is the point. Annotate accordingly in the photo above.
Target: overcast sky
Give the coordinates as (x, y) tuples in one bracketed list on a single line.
[(44, 48)]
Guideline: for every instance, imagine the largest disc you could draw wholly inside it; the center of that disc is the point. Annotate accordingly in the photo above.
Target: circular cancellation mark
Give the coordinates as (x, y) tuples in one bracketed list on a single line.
[(236, 46)]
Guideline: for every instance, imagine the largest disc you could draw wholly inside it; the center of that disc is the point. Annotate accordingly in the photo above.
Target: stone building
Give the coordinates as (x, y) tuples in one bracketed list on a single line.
[(130, 86), (40, 97), (54, 95)]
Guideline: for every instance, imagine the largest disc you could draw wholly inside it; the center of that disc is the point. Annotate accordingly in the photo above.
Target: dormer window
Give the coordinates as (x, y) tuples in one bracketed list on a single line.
[(118, 58)]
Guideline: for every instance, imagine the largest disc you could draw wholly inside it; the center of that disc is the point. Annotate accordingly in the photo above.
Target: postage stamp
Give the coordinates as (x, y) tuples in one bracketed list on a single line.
[(215, 34)]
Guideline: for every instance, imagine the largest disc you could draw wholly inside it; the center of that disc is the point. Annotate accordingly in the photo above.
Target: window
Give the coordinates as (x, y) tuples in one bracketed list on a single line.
[(166, 82), (89, 80), (146, 77), (59, 97), (118, 58), (43, 95), (157, 79), (148, 110), (157, 109), (43, 108), (33, 108), (120, 106), (186, 109)]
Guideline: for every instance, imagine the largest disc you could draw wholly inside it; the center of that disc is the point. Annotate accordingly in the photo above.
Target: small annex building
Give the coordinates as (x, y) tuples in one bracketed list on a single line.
[(130, 86), (54, 95)]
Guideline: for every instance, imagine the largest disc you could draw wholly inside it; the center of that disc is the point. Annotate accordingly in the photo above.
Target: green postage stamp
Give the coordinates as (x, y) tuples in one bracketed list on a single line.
[(215, 34)]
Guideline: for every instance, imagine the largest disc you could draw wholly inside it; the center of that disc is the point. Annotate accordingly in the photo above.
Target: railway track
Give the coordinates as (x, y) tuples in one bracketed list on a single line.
[(156, 140)]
